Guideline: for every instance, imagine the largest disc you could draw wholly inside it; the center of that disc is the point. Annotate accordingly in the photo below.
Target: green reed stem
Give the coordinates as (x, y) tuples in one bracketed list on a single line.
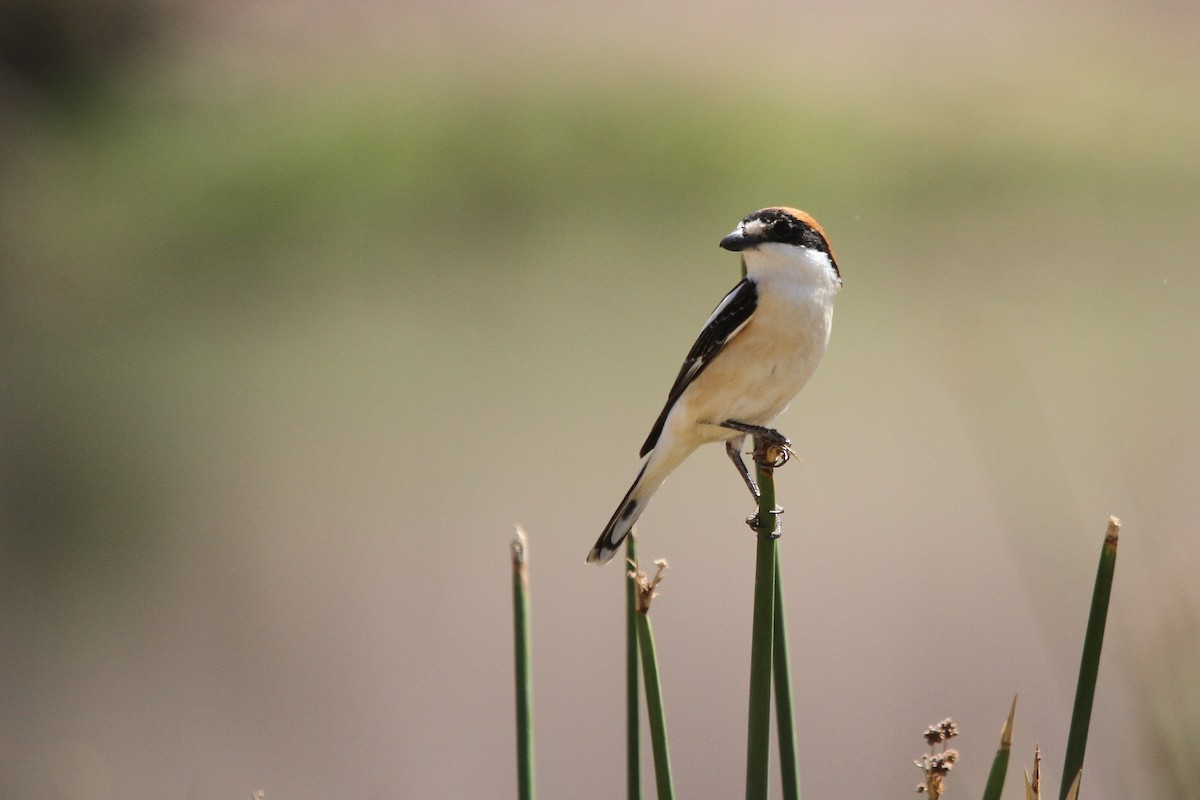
[(995, 781), (1089, 665), (654, 709), (758, 740), (633, 731), (521, 654), (785, 723)]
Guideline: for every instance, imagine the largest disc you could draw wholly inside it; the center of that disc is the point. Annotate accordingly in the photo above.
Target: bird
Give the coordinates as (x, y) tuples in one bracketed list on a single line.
[(758, 348)]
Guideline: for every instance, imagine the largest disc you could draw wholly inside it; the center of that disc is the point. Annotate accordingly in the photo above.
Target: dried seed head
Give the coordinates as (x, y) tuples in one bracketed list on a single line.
[(647, 587), (936, 765), (942, 763), (946, 729)]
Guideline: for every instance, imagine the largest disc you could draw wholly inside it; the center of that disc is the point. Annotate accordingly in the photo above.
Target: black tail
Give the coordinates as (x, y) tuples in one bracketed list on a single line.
[(619, 526)]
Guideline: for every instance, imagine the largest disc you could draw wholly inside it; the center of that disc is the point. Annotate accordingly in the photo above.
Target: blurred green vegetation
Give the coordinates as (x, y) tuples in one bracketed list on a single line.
[(169, 195)]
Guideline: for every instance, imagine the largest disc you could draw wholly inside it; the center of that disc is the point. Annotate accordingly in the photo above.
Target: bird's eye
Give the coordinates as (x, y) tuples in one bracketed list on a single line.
[(780, 228)]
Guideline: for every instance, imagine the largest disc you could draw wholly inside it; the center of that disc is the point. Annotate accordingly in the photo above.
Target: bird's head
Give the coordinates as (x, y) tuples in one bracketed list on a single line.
[(781, 233)]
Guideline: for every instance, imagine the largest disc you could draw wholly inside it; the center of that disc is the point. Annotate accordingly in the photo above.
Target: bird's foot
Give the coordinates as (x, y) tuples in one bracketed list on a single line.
[(771, 450), (776, 529)]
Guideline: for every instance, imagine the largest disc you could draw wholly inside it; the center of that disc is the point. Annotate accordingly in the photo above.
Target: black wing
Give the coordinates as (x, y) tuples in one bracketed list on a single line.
[(726, 320)]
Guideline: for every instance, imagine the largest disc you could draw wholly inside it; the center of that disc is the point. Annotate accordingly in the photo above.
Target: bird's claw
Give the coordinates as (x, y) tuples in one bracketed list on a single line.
[(754, 522), (772, 450)]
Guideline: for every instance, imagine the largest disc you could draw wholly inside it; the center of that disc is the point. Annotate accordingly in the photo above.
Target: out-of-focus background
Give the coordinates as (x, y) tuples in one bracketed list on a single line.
[(305, 304)]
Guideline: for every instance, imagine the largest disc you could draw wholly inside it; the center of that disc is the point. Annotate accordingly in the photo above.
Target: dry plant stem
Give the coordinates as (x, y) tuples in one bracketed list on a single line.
[(758, 740), (1033, 784), (633, 731), (995, 782), (1073, 792), (785, 724), (1089, 665), (520, 568)]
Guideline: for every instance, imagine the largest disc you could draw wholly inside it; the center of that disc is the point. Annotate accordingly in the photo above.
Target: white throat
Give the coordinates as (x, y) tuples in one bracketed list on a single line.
[(772, 261)]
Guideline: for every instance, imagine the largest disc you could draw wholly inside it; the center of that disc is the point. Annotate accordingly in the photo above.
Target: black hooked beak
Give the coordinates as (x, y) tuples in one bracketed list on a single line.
[(740, 240)]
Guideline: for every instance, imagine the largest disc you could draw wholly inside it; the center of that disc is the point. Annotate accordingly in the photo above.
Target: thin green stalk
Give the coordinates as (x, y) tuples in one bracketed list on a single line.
[(654, 709), (995, 781), (1089, 665), (633, 731), (521, 657), (758, 740), (785, 724)]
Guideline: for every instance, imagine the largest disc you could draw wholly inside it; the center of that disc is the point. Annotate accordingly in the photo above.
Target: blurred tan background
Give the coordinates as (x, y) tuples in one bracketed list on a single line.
[(305, 304)]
